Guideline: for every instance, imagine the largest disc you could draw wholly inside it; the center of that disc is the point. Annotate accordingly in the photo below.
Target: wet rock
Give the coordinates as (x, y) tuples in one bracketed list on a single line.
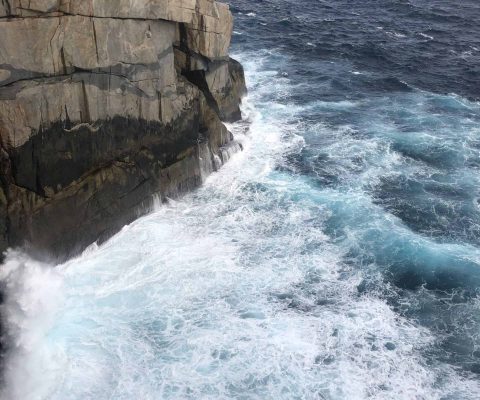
[(390, 346)]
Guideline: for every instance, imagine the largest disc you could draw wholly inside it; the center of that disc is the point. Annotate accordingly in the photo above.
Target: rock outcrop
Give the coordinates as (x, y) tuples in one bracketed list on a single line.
[(104, 103)]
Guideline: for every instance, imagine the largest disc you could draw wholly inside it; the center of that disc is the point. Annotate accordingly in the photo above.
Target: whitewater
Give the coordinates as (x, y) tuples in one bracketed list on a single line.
[(336, 257)]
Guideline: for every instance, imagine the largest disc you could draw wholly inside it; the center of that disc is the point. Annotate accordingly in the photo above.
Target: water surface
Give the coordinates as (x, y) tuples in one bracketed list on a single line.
[(336, 257)]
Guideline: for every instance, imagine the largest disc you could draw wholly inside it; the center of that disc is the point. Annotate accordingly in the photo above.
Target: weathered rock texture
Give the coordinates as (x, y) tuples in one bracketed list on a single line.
[(104, 103)]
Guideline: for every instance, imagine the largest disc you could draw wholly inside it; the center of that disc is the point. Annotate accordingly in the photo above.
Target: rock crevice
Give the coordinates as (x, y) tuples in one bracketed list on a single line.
[(102, 105)]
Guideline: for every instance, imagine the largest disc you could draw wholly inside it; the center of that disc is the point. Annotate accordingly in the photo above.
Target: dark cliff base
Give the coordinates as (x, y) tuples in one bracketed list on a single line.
[(101, 181), (68, 191), (72, 184)]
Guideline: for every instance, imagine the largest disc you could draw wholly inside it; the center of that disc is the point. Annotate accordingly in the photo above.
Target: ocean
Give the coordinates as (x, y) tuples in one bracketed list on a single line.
[(336, 257)]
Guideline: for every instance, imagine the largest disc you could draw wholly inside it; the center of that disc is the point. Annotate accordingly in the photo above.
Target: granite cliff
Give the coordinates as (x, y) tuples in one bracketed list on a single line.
[(104, 103)]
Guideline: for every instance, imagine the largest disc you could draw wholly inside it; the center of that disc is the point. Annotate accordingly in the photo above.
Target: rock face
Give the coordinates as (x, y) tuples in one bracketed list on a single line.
[(104, 103)]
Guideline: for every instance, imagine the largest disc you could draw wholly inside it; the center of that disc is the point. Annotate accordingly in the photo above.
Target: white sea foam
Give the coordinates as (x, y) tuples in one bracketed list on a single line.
[(426, 36), (396, 34), (33, 295)]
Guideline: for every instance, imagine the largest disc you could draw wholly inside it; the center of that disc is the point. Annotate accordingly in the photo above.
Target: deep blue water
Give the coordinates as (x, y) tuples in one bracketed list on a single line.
[(398, 45), (336, 257)]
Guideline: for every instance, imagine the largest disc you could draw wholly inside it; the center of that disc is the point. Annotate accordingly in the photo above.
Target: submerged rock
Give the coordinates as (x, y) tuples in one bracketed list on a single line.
[(102, 105)]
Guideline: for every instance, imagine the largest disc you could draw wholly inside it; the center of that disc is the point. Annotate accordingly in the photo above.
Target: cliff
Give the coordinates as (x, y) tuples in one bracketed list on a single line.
[(104, 103)]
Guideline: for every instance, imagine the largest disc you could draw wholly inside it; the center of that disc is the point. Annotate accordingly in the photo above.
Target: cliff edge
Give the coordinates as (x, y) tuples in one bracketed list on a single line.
[(104, 103)]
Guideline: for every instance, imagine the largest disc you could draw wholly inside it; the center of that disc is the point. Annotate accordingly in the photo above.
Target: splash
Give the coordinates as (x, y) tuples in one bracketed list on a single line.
[(32, 295)]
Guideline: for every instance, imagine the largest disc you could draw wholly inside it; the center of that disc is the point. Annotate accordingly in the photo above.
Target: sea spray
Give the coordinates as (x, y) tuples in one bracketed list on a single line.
[(32, 295)]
